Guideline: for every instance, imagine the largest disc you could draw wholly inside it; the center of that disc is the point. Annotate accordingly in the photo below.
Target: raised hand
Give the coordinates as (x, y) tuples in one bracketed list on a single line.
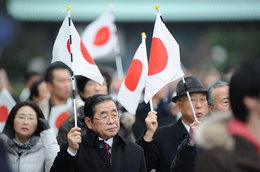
[(151, 125), (74, 139), (193, 128)]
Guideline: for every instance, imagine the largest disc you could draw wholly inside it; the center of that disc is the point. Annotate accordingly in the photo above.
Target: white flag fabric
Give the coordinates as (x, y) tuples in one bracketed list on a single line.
[(83, 64), (6, 104), (58, 115), (100, 35), (164, 62), (134, 82)]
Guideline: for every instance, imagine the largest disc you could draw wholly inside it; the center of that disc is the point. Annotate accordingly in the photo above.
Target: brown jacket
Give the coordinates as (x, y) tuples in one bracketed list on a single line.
[(223, 152)]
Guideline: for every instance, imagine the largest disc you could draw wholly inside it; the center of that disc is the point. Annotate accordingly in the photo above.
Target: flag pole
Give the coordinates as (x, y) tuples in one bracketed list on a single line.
[(188, 94), (143, 34), (118, 59), (72, 68)]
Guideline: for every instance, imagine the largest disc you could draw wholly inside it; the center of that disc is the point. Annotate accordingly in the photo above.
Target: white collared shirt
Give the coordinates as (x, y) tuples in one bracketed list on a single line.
[(186, 126), (109, 142)]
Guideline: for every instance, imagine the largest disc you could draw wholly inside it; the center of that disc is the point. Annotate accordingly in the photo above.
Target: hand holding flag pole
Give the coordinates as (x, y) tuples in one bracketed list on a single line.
[(72, 68)]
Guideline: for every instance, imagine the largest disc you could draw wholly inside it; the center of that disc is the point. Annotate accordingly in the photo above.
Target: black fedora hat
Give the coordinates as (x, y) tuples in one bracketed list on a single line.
[(193, 86)]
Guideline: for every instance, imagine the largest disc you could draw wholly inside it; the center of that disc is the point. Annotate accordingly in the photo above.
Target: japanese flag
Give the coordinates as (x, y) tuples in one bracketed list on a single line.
[(6, 104), (100, 35), (134, 82), (164, 62), (58, 115), (83, 64)]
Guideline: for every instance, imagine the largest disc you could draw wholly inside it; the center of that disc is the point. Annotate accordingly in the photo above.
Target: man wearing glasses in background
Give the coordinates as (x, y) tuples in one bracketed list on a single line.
[(101, 149), (162, 145)]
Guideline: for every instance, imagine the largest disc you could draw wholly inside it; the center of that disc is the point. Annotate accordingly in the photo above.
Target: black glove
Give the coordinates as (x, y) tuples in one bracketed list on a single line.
[(44, 124)]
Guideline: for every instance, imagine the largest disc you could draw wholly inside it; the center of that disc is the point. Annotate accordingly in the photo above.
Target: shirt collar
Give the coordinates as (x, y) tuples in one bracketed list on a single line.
[(186, 126), (109, 141)]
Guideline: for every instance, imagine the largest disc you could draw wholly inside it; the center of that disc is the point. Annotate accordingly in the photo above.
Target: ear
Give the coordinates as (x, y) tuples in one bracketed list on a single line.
[(250, 102), (88, 122), (179, 105), (49, 86)]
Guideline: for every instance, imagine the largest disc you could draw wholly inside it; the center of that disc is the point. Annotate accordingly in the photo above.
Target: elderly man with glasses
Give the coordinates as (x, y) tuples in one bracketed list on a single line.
[(101, 149), (175, 141)]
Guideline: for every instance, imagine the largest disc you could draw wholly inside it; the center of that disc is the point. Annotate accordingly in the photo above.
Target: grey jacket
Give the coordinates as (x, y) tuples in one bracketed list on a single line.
[(38, 159)]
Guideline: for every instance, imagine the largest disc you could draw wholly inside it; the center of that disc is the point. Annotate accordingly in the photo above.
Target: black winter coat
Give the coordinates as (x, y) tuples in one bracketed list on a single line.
[(160, 152), (92, 156)]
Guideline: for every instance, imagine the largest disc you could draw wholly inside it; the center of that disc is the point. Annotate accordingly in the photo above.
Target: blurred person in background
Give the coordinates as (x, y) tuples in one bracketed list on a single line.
[(30, 77), (218, 96), (209, 76), (232, 143), (39, 91), (29, 142), (57, 78), (4, 81)]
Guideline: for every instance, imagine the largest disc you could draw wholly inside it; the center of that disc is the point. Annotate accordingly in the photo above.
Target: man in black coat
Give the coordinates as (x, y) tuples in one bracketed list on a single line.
[(101, 149), (160, 146)]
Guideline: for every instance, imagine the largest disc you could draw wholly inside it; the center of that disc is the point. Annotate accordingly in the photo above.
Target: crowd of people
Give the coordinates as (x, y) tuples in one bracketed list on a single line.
[(214, 128)]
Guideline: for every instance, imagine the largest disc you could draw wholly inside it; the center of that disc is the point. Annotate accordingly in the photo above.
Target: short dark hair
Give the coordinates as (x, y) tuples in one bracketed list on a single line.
[(216, 84), (244, 82), (92, 101), (34, 91), (56, 65), (81, 81), (106, 73), (28, 75), (9, 125)]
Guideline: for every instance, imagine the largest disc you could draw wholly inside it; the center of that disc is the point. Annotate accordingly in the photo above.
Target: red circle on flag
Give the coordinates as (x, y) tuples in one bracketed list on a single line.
[(133, 75), (102, 36), (158, 57), (85, 53), (68, 45), (61, 118), (3, 113)]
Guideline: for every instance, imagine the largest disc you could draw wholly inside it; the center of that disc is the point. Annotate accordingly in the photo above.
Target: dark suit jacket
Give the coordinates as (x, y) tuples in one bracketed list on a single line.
[(160, 152), (164, 117), (185, 158), (92, 156)]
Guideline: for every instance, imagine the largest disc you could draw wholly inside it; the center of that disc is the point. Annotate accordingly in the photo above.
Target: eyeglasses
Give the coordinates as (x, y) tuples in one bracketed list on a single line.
[(25, 118), (105, 117)]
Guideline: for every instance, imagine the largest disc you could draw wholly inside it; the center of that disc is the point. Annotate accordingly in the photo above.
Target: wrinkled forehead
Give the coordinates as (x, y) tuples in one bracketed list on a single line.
[(106, 105)]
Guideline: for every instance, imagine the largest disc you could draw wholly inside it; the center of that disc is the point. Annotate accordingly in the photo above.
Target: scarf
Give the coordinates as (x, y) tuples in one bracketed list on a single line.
[(20, 148)]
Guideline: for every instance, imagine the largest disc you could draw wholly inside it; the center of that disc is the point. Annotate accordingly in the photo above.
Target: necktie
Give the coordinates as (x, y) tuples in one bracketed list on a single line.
[(109, 154)]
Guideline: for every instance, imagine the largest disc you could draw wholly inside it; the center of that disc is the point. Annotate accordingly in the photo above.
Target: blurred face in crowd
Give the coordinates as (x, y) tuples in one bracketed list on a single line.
[(92, 87), (60, 87), (25, 123), (105, 121), (199, 102), (220, 97), (43, 92)]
